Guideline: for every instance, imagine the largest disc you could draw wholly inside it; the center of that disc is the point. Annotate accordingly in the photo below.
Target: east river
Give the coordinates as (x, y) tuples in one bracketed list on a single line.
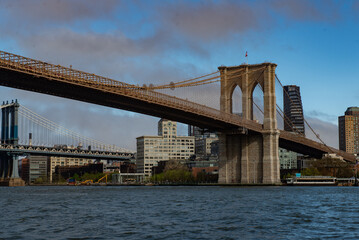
[(154, 212)]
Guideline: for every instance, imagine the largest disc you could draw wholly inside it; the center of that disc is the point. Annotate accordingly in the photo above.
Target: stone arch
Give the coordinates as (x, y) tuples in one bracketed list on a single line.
[(236, 100), (247, 77), (257, 97)]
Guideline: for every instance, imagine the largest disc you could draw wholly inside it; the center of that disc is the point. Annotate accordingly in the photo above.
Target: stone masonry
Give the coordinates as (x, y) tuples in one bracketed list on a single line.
[(249, 158)]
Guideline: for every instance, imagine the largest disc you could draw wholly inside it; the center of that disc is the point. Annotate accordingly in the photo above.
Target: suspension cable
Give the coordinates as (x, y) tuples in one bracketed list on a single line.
[(317, 135), (52, 126), (284, 116)]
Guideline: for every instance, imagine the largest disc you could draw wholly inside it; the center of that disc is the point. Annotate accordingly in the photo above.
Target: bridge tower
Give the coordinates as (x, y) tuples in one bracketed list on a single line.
[(9, 175), (247, 157)]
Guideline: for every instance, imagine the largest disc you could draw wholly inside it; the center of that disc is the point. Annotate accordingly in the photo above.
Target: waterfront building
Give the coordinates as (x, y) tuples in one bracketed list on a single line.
[(203, 146), (166, 146), (24, 169), (65, 161), (287, 159), (349, 130), (37, 168), (69, 171), (203, 140), (293, 122)]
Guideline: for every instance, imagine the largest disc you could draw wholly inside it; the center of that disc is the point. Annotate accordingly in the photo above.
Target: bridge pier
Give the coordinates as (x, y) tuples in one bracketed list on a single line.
[(249, 157), (9, 171)]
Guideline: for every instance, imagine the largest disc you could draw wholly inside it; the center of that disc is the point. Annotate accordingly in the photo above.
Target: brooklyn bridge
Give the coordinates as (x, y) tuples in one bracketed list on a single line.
[(248, 149)]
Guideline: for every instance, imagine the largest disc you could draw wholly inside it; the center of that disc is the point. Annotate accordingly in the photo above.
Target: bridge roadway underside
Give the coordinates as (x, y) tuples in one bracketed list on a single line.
[(44, 85), (95, 95)]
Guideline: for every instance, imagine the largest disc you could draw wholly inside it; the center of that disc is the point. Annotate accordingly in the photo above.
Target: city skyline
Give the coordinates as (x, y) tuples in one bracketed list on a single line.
[(314, 43)]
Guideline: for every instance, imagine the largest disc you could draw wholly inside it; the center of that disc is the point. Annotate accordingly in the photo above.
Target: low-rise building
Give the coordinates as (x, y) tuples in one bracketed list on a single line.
[(38, 166), (65, 161), (287, 159), (203, 146)]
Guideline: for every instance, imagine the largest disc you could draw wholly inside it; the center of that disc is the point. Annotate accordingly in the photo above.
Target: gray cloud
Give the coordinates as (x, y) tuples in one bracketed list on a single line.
[(218, 20), (208, 20), (307, 10), (322, 115), (66, 11), (327, 131)]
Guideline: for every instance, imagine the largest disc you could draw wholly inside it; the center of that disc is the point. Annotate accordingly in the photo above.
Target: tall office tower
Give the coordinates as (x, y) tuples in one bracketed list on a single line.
[(293, 122), (349, 130), (293, 110)]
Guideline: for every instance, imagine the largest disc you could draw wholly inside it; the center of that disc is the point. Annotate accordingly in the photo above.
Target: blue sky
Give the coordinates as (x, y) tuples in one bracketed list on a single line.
[(314, 43)]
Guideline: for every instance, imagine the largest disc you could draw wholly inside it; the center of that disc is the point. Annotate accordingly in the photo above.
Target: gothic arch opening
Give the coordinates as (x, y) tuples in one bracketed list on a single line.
[(237, 101), (258, 104)]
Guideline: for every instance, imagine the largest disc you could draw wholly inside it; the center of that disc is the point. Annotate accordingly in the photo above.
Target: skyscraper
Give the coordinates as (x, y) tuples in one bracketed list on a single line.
[(349, 130), (293, 122), (293, 110)]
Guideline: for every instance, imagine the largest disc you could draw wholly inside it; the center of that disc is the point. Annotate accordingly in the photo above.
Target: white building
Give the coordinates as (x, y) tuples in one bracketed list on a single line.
[(166, 146)]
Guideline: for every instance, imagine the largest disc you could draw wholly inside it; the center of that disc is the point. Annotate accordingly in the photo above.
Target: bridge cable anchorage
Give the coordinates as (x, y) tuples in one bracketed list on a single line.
[(39, 120), (310, 127)]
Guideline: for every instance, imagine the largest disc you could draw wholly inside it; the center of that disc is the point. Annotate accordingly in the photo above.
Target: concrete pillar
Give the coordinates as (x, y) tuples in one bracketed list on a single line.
[(8, 167), (15, 167)]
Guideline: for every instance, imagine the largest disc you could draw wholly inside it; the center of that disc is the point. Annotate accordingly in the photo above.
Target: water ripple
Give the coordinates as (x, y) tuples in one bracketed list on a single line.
[(179, 213)]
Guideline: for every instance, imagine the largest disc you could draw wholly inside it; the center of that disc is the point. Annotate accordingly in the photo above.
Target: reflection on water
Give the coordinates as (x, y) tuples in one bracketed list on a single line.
[(179, 213)]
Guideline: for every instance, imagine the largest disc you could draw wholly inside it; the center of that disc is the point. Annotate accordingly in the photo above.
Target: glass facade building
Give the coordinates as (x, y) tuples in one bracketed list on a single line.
[(293, 109), (293, 122)]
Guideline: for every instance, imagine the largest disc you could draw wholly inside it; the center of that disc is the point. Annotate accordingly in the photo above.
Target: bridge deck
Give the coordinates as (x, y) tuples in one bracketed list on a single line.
[(56, 152)]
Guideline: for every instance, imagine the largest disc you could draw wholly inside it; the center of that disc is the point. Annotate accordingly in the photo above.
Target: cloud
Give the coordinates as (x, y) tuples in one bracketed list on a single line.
[(321, 115), (327, 131), (307, 10), (65, 11), (208, 20)]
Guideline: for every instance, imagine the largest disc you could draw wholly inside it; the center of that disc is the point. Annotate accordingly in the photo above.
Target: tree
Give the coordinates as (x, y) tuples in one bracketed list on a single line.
[(174, 172), (333, 167)]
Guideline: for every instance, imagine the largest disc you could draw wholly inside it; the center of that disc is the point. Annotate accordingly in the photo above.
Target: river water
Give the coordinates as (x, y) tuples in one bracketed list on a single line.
[(155, 212)]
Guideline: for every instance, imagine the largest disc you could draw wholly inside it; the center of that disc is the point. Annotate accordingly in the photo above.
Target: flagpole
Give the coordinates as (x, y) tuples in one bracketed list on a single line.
[(247, 57)]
